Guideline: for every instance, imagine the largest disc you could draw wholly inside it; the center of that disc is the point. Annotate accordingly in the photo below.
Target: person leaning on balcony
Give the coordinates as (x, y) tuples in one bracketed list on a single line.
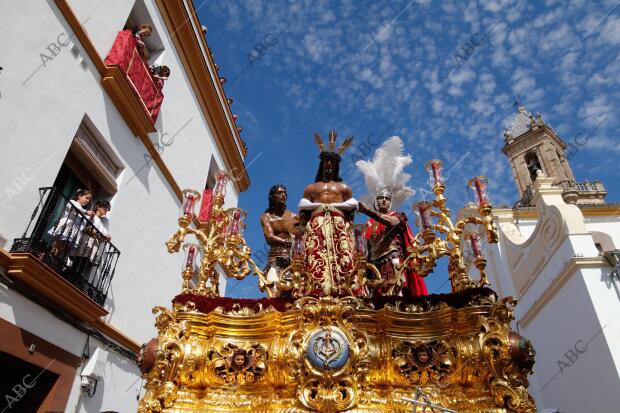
[(160, 74), (85, 254), (142, 33), (101, 209), (69, 228)]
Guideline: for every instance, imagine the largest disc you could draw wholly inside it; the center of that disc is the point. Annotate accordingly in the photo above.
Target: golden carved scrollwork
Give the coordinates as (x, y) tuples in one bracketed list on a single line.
[(506, 380), (324, 389), (425, 362), (334, 354), (161, 390), (237, 365)]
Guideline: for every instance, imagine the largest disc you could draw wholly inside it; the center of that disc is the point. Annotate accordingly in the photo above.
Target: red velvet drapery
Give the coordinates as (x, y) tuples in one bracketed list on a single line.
[(124, 54)]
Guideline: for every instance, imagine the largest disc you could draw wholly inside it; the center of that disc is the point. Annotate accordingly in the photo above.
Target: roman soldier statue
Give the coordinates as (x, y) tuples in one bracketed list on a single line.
[(387, 230)]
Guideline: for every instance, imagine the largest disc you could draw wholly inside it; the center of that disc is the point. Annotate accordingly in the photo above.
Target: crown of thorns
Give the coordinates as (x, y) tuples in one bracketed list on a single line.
[(331, 146)]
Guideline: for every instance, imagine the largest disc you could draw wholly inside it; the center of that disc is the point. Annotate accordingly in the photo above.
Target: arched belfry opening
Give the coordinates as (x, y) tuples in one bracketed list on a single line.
[(533, 164)]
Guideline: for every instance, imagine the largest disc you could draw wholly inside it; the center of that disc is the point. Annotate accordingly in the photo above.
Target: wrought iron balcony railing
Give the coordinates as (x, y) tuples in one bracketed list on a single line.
[(67, 241)]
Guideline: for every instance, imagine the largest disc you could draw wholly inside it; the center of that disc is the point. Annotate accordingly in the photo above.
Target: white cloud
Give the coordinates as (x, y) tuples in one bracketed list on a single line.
[(462, 75), (610, 32), (596, 111)]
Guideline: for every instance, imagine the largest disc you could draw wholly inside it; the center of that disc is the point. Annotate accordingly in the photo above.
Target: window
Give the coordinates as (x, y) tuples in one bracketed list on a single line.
[(139, 15), (533, 164), (207, 194), (90, 163), (134, 51), (213, 169)]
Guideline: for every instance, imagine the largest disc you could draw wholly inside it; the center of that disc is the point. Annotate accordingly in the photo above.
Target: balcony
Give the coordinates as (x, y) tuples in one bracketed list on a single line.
[(131, 85), (580, 193), (66, 241)]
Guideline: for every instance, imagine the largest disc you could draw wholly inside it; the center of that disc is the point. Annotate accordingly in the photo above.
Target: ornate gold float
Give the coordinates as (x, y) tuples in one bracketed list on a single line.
[(354, 353)]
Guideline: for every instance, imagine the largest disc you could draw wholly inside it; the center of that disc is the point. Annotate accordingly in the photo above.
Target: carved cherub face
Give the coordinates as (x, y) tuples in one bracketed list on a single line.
[(423, 355), (239, 359), (419, 356), (410, 355)]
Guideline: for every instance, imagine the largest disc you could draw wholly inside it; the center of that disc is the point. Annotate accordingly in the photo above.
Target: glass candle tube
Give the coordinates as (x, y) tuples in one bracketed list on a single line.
[(475, 244), (220, 184), (190, 197), (359, 240), (479, 185), (434, 167), (423, 210), (297, 247), (235, 221), (192, 251)]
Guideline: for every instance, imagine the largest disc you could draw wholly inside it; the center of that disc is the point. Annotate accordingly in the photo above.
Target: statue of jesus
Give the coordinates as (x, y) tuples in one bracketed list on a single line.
[(327, 209)]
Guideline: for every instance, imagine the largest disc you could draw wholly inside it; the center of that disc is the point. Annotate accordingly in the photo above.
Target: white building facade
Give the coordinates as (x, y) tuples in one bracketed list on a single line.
[(70, 120), (557, 255)]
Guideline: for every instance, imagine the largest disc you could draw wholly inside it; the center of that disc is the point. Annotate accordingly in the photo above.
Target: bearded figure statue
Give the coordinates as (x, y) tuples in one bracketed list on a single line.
[(327, 210)]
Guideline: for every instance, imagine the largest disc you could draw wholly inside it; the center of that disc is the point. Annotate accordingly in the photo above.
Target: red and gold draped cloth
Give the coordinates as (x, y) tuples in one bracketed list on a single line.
[(329, 258), (389, 245), (124, 54)]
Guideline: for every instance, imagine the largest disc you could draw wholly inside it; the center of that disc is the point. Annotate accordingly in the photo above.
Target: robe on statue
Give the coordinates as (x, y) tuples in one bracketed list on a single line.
[(389, 247), (329, 252)]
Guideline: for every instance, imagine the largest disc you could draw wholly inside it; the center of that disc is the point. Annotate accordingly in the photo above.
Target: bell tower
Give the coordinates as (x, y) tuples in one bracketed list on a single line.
[(534, 149)]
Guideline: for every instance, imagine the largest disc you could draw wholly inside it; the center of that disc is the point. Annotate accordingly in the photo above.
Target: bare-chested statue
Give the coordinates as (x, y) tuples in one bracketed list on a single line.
[(277, 223), (327, 210)]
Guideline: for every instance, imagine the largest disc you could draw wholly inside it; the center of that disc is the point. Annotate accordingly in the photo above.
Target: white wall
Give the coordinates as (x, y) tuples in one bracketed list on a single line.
[(121, 381), (22, 312), (40, 116), (576, 332), (116, 390), (574, 370), (609, 225)]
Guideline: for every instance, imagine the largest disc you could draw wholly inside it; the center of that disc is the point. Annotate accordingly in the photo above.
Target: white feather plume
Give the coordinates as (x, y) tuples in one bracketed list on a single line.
[(386, 170)]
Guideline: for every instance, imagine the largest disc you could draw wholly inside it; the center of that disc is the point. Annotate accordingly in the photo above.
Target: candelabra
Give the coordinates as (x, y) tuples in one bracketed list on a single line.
[(363, 268), (220, 245), (429, 245)]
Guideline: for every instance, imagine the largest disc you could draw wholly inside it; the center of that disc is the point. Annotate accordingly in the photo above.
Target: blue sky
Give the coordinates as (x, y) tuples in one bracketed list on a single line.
[(442, 75)]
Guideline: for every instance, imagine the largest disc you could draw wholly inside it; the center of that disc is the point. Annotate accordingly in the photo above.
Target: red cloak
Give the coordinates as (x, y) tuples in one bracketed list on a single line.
[(414, 284)]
